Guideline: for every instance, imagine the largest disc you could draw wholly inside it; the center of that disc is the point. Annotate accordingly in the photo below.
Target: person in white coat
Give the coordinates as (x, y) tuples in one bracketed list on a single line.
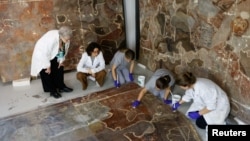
[(47, 60), (91, 65), (210, 103)]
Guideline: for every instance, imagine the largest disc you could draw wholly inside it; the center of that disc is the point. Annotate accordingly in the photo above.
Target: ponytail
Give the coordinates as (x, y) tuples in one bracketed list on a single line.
[(167, 78), (163, 82)]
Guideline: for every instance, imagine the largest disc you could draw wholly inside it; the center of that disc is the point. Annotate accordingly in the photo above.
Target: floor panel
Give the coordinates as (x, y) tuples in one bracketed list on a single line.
[(105, 115)]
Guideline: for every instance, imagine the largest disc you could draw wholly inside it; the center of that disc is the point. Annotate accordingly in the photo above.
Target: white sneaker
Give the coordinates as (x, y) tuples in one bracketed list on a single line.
[(91, 78), (97, 84)]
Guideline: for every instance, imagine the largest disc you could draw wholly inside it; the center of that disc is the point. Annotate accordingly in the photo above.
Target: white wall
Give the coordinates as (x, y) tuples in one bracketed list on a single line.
[(130, 23)]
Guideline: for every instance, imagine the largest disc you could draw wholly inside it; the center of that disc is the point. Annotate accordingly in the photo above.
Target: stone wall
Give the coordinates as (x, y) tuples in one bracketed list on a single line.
[(23, 22), (208, 37)]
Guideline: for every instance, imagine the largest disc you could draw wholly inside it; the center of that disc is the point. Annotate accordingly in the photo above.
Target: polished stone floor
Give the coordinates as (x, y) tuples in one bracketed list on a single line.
[(101, 116), (98, 114)]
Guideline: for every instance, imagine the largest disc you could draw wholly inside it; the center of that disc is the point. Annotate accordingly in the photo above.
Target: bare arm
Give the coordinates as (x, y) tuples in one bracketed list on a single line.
[(181, 101), (204, 111), (131, 69), (167, 93), (113, 70), (141, 94)]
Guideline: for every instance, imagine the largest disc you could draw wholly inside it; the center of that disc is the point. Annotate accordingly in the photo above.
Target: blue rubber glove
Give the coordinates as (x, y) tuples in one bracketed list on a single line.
[(166, 101), (117, 84), (135, 104), (194, 115), (131, 77), (175, 106)]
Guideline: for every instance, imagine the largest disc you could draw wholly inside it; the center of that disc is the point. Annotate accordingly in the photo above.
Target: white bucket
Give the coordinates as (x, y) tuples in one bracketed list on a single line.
[(141, 80), (175, 98)]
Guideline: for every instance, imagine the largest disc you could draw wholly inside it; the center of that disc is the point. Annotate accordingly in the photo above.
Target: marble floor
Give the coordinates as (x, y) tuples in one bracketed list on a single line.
[(17, 100)]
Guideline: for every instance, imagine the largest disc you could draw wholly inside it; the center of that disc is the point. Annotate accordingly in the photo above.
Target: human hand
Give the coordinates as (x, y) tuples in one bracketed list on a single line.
[(60, 65), (175, 106), (135, 104), (194, 115), (48, 70), (89, 71), (166, 101), (131, 77), (117, 84)]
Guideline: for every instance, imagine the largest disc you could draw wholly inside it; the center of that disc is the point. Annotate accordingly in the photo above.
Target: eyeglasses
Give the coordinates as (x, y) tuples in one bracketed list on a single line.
[(96, 51)]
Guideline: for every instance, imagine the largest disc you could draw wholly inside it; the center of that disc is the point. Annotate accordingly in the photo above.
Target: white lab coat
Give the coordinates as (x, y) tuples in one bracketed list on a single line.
[(46, 49), (86, 63), (208, 94)]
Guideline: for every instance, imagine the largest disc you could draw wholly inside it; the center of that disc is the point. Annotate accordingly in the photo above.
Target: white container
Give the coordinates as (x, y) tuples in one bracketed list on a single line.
[(175, 98), (141, 80)]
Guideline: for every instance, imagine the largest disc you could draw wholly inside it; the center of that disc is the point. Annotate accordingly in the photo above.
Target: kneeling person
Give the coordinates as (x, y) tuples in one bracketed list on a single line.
[(160, 85)]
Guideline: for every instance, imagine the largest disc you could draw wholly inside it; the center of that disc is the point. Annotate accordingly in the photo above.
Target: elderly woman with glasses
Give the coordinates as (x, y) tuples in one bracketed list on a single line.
[(91, 65), (48, 57)]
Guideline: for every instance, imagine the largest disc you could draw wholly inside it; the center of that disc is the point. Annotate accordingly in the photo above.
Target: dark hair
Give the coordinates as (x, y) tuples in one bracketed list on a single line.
[(90, 48), (130, 54), (163, 82), (185, 79), (123, 46)]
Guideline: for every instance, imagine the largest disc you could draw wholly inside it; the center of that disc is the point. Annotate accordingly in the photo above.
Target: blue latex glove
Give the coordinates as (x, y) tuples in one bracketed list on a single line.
[(131, 77), (194, 115), (135, 104), (117, 84), (175, 106), (166, 101)]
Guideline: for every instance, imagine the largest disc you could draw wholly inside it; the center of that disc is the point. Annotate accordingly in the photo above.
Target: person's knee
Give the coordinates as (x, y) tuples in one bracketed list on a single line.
[(201, 122), (100, 78), (127, 79), (103, 73), (80, 75), (122, 81)]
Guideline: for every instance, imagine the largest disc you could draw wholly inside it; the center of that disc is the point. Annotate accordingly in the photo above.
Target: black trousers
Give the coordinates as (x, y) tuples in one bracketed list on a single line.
[(201, 122), (55, 80)]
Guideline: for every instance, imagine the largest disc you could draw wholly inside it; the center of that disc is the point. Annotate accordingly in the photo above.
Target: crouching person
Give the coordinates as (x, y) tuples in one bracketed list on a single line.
[(160, 85), (91, 65), (210, 103)]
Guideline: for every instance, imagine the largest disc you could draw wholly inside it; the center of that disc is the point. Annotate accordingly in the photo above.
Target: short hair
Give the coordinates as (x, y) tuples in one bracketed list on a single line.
[(123, 46), (163, 82), (90, 48), (130, 54), (65, 31), (185, 79)]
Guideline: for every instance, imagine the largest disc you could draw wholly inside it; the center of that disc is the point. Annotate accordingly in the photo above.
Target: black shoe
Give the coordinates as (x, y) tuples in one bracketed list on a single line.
[(65, 89), (55, 94)]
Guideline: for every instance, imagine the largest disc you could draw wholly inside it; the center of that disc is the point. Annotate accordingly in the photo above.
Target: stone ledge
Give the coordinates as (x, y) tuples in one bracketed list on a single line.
[(21, 82)]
